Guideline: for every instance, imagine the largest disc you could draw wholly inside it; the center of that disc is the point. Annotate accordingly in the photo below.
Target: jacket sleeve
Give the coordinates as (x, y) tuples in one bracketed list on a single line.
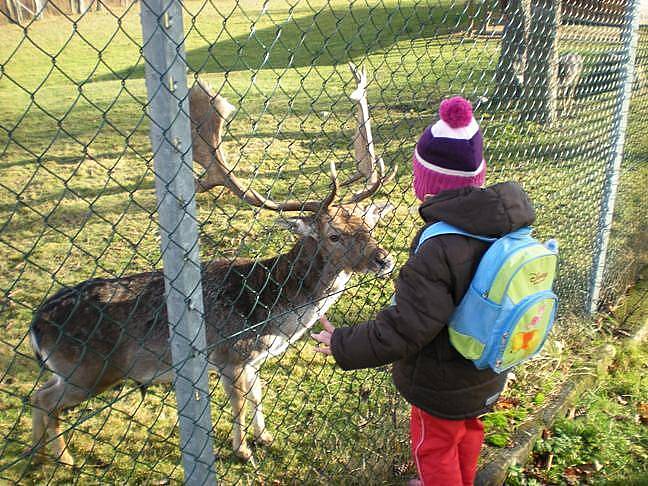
[(423, 307)]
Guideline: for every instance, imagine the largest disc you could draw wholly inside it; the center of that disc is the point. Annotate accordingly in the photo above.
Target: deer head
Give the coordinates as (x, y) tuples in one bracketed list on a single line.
[(343, 233), (342, 228)]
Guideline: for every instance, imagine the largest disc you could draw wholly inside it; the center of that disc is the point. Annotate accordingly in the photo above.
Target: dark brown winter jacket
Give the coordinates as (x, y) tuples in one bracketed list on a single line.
[(413, 334)]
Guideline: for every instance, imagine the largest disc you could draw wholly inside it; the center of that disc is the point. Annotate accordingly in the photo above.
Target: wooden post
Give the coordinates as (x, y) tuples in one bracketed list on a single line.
[(541, 76), (513, 51)]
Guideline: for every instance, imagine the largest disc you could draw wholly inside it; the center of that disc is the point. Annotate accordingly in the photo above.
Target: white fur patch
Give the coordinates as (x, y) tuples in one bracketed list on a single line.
[(304, 318), (34, 345)]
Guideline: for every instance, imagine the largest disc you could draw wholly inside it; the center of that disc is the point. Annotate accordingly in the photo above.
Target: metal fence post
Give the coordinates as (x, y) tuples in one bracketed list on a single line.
[(629, 37), (166, 83)]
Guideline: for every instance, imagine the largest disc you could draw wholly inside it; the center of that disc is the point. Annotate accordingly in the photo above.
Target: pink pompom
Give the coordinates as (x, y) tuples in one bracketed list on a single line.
[(456, 112)]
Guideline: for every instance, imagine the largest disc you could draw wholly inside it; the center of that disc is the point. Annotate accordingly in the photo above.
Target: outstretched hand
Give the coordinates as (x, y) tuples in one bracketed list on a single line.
[(324, 337)]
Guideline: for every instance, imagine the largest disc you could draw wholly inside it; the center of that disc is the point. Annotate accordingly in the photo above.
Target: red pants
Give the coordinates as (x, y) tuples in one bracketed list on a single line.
[(445, 451)]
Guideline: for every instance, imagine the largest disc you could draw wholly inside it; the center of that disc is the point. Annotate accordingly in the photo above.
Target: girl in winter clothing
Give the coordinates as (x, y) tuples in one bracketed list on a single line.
[(447, 392)]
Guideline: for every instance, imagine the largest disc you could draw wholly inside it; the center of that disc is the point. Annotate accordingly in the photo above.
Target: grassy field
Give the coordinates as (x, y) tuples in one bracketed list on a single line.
[(77, 201)]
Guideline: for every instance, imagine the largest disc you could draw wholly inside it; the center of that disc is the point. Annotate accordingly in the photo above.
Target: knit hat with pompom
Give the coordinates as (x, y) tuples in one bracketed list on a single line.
[(449, 154)]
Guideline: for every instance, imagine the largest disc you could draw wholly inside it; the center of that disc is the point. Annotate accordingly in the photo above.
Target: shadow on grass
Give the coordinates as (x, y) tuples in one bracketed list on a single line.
[(73, 159), (325, 38)]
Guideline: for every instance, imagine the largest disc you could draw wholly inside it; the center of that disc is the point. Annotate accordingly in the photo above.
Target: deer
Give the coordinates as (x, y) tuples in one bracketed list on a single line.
[(570, 70), (104, 332)]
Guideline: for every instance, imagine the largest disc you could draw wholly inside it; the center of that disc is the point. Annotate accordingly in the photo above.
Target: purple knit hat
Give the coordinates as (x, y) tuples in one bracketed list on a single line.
[(450, 153)]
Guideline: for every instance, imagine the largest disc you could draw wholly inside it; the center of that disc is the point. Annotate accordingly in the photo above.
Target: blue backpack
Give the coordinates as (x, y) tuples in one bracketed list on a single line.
[(509, 308)]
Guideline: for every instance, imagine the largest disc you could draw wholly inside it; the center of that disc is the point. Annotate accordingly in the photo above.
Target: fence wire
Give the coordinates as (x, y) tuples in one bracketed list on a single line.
[(80, 247)]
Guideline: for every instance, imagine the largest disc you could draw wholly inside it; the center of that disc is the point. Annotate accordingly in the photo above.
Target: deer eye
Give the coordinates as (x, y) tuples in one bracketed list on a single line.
[(334, 237)]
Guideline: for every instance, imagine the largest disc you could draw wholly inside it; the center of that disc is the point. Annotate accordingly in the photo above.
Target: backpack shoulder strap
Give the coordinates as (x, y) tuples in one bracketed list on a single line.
[(442, 228)]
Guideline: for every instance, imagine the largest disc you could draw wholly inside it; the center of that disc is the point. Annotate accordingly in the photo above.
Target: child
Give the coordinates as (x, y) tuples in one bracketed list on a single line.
[(446, 391)]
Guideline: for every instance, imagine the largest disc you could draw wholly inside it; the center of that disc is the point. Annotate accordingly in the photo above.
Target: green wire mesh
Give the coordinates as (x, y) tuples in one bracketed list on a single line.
[(77, 198)]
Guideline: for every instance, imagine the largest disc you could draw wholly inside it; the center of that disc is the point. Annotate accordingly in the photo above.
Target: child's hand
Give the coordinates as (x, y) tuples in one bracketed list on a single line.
[(324, 337)]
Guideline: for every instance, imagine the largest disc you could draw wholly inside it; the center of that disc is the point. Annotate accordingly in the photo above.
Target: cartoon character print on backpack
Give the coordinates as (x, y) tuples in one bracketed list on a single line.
[(528, 335), (526, 339)]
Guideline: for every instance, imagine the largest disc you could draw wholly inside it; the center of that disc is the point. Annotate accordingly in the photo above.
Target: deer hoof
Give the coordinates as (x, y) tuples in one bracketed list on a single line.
[(244, 453), (265, 439), (66, 458), (36, 455)]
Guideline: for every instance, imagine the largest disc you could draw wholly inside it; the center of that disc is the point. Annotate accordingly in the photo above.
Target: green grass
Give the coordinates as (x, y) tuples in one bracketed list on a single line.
[(607, 441), (77, 201)]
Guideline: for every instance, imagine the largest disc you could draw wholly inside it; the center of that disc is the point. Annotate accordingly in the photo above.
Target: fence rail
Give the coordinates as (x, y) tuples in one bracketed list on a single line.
[(137, 267)]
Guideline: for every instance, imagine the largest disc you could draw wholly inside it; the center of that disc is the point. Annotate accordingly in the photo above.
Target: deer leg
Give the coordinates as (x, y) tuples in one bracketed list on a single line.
[(48, 402), (261, 434), (39, 425), (560, 94), (235, 384), (570, 99)]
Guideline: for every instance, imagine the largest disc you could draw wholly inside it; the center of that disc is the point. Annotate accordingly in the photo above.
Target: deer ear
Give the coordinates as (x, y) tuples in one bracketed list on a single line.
[(300, 226), (374, 212)]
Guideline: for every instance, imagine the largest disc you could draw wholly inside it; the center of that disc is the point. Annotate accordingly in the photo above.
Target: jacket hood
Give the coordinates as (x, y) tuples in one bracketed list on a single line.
[(492, 211)]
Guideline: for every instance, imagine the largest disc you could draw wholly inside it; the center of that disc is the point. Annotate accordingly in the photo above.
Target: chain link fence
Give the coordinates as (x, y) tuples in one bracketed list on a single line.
[(102, 116)]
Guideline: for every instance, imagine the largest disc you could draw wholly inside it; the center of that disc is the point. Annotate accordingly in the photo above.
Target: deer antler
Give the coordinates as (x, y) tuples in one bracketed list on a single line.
[(363, 146), (365, 154), (208, 113), (252, 197)]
